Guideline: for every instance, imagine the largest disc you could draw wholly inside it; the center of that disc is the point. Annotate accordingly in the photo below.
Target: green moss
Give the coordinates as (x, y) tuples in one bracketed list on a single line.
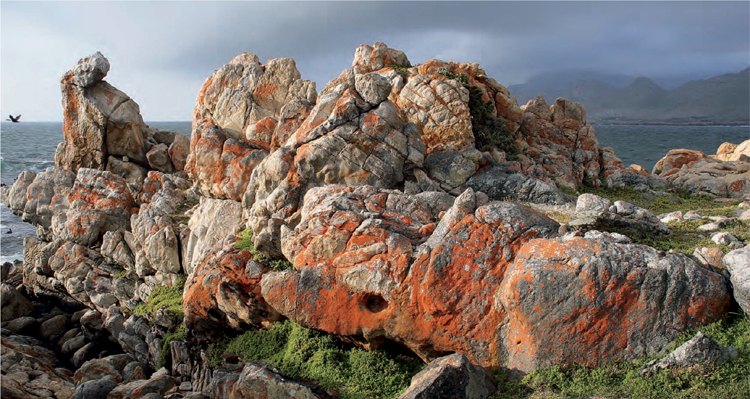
[(165, 357), (167, 298), (246, 244), (319, 357), (121, 274), (622, 379)]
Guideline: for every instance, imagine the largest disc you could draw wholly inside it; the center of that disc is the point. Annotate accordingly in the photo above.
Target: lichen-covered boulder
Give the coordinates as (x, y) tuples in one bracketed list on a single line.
[(397, 274), (675, 159), (261, 380), (589, 300)]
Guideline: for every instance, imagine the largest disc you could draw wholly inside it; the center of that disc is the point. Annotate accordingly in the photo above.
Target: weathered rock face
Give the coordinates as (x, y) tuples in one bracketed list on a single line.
[(590, 300), (345, 140), (235, 106), (213, 221), (224, 291), (99, 202), (367, 250), (451, 376)]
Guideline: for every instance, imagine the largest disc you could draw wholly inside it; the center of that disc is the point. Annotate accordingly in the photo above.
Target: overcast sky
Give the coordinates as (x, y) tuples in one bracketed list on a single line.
[(161, 52)]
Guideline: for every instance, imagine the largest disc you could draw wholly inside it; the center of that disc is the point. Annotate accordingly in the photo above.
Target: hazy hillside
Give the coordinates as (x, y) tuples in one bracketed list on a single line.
[(723, 99)]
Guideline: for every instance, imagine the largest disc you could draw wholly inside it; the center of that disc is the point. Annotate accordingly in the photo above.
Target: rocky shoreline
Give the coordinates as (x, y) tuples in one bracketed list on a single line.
[(412, 210)]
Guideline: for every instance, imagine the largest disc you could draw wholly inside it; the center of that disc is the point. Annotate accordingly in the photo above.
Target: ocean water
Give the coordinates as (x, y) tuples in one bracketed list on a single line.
[(31, 145)]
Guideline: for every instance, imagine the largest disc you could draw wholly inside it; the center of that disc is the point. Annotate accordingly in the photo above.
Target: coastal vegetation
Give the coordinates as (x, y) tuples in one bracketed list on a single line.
[(315, 356), (245, 243), (731, 380)]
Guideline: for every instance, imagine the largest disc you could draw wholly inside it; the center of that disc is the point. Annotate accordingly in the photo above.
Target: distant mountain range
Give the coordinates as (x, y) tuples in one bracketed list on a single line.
[(617, 99)]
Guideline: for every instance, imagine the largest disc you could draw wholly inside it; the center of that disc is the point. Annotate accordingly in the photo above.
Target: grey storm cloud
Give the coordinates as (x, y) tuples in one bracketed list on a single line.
[(162, 51)]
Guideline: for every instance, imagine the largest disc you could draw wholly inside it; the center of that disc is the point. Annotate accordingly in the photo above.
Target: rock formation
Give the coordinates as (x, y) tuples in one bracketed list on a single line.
[(396, 195)]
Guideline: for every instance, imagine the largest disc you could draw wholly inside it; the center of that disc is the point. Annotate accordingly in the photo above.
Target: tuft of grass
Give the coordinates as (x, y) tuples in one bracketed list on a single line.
[(312, 355), (168, 298), (245, 243), (622, 379), (165, 357)]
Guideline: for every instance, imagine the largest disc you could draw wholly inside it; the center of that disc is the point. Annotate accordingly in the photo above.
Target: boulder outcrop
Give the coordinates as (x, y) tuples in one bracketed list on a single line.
[(586, 300)]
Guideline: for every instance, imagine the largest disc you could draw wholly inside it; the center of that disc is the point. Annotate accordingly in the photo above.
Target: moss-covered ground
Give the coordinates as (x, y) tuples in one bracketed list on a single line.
[(623, 380), (167, 298), (302, 353)]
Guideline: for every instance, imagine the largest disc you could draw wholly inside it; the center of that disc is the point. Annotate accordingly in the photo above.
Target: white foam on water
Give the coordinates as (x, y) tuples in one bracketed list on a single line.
[(10, 258)]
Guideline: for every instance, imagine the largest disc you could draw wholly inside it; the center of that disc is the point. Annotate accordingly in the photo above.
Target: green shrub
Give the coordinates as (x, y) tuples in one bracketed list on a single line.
[(246, 244), (167, 298), (309, 354)]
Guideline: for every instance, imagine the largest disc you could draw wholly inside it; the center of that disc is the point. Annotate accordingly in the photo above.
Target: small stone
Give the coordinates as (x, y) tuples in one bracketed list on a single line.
[(671, 217), (701, 349), (723, 238), (692, 215), (186, 386)]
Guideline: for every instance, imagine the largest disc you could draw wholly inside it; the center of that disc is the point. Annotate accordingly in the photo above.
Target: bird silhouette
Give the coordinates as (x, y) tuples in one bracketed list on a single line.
[(14, 120)]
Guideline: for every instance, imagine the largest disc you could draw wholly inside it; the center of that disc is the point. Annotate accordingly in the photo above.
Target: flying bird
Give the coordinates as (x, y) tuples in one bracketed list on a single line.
[(14, 120)]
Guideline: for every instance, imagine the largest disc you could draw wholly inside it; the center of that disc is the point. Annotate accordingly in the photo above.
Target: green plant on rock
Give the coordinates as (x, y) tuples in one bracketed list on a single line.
[(401, 70), (246, 244), (165, 357), (313, 355), (167, 298), (489, 130)]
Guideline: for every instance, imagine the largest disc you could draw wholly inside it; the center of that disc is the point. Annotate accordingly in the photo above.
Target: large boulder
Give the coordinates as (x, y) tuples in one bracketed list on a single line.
[(14, 304), (99, 120), (99, 201), (261, 380), (395, 273), (589, 300), (597, 213)]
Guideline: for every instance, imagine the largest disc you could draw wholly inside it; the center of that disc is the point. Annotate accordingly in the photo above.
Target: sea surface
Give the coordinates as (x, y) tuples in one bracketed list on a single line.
[(31, 145)]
